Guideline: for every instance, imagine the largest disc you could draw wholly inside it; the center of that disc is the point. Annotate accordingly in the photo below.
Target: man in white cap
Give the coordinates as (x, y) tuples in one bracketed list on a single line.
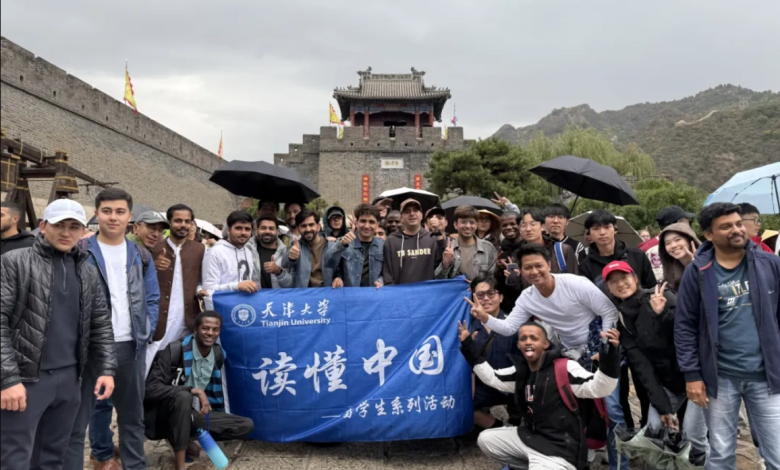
[(54, 317)]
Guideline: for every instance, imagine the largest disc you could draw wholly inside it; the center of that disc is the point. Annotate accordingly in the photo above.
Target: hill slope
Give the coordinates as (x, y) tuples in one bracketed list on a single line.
[(706, 149)]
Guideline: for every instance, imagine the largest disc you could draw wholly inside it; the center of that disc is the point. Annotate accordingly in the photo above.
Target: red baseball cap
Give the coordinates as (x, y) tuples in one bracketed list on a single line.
[(616, 266)]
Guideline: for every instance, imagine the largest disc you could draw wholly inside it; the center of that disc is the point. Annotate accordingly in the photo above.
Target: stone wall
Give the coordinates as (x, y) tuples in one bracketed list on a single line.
[(52, 110), (336, 166)]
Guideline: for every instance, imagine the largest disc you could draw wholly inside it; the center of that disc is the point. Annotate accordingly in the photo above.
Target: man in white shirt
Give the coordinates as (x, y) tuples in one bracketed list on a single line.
[(130, 282), (566, 302)]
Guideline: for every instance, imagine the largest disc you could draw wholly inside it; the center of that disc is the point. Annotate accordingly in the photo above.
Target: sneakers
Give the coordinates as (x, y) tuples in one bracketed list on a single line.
[(591, 455)]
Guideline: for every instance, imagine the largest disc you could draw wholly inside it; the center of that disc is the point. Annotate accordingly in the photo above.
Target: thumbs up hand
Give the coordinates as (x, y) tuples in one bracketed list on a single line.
[(295, 250), (271, 267), (347, 239), (161, 262)]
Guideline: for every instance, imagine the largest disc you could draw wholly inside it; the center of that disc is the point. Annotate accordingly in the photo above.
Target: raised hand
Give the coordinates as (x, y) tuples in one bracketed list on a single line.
[(477, 311), (689, 253), (295, 250), (500, 200), (271, 267), (463, 331), (611, 335), (449, 254), (161, 262), (348, 238), (352, 222), (657, 300)]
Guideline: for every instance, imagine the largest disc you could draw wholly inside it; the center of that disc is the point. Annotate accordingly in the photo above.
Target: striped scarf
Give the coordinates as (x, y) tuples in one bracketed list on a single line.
[(214, 388)]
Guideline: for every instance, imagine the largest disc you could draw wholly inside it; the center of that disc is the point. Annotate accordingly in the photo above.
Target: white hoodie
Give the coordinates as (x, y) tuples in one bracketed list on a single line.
[(224, 267)]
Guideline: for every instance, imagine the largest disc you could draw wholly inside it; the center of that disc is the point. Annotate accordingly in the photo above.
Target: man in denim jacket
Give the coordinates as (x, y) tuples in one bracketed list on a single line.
[(362, 254), (307, 259)]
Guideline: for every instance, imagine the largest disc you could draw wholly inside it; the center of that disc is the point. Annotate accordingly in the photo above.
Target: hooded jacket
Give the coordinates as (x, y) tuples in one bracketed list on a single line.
[(329, 232), (648, 340), (224, 266), (696, 316), (672, 268), (593, 264), (142, 288), (277, 281), (20, 240), (411, 258), (550, 428), (26, 277)]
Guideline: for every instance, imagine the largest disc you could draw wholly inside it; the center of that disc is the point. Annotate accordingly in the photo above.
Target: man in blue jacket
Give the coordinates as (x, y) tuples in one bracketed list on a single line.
[(361, 251), (129, 280), (727, 335)]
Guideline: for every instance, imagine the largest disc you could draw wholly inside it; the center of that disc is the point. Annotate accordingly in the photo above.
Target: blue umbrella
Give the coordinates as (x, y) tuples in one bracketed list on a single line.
[(758, 186)]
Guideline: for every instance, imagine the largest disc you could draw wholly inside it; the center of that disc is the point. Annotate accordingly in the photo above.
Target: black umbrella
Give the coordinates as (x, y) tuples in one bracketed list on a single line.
[(264, 181), (138, 209), (587, 179)]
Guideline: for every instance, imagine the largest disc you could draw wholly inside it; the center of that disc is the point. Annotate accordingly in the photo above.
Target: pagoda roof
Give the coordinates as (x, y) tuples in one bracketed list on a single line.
[(391, 87)]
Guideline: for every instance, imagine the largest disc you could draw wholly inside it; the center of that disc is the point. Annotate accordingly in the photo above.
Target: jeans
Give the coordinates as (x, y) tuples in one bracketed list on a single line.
[(615, 413), (694, 425), (722, 415), (101, 437), (128, 399)]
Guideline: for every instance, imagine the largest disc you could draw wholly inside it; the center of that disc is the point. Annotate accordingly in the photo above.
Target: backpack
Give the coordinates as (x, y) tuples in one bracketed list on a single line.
[(596, 423), (146, 257)]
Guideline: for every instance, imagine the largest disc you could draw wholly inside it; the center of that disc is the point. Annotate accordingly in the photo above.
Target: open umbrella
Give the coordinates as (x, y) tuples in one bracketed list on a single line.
[(208, 227), (399, 195), (138, 209), (476, 202), (625, 232), (758, 186), (264, 181), (587, 179)]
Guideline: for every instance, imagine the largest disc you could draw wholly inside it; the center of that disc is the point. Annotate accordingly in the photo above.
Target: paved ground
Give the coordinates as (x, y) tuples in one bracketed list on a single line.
[(440, 454)]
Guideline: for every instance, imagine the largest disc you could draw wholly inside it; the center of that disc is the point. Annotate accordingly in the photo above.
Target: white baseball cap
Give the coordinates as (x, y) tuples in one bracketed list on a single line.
[(63, 209)]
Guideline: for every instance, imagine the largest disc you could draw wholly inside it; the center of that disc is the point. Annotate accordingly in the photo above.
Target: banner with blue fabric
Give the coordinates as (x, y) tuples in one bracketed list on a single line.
[(351, 364)]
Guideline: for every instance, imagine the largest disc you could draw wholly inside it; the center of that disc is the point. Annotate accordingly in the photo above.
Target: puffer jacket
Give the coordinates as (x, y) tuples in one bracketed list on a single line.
[(142, 288), (25, 307)]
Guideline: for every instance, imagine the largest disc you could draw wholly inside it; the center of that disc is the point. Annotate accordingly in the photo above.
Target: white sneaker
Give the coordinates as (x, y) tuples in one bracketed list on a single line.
[(591, 455)]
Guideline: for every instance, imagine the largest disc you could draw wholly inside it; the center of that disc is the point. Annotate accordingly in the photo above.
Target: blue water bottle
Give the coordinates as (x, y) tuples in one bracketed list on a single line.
[(208, 444)]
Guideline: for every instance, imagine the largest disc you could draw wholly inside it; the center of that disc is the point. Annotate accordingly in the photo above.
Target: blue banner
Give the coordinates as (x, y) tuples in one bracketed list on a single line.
[(351, 364)]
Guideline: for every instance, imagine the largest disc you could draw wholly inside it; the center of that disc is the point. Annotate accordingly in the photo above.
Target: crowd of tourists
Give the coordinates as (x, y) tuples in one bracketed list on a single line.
[(121, 321)]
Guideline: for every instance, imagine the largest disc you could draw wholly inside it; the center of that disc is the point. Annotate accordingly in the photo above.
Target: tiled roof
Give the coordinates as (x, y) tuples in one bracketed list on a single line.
[(392, 86)]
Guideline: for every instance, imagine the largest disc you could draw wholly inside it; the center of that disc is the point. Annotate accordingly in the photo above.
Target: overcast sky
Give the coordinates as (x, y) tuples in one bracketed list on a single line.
[(264, 71)]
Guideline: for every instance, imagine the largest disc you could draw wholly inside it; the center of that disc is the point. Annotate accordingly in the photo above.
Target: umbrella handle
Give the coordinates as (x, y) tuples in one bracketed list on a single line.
[(571, 211)]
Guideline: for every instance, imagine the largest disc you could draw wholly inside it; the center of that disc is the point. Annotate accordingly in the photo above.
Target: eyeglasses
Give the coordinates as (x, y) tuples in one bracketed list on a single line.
[(528, 225), (756, 220), (488, 293)]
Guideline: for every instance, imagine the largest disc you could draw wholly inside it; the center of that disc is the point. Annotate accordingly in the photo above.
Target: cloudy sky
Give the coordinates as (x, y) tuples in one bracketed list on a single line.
[(264, 71)]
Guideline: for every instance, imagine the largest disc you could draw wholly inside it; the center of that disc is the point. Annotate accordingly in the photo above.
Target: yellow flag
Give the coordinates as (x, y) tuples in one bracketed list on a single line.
[(220, 146), (129, 95), (341, 132), (334, 118)]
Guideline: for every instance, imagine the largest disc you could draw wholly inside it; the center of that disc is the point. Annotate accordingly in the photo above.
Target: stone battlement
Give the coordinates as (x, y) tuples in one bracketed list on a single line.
[(22, 70), (379, 140)]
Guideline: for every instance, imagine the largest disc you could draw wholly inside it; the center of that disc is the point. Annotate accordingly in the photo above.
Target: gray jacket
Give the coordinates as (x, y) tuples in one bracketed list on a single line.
[(484, 261), (277, 280)]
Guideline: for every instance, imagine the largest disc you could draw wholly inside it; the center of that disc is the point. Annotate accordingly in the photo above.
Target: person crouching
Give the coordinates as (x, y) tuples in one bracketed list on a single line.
[(185, 385), (553, 436)]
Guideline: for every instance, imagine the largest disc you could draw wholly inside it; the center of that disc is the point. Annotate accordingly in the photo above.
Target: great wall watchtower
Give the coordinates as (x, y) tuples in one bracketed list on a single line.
[(388, 144)]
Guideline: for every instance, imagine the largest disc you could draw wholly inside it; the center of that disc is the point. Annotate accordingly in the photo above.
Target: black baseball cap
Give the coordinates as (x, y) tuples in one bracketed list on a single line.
[(671, 215), (435, 211)]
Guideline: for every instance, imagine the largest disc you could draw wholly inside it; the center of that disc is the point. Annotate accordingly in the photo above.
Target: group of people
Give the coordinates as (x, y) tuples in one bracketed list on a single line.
[(124, 321)]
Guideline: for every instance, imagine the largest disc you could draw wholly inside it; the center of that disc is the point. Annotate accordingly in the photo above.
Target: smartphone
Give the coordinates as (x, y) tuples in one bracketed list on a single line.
[(606, 340), (512, 279)]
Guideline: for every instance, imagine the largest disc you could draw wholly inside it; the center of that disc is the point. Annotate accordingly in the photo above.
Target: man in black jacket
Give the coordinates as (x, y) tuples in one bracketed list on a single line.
[(10, 236), (553, 436), (185, 385), (53, 319), (647, 335)]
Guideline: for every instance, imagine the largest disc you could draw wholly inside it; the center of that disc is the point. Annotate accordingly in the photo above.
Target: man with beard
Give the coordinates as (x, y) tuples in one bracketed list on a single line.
[(726, 335), (553, 435), (556, 219), (290, 211), (393, 222), (413, 254), (12, 238), (229, 265), (148, 229), (179, 261), (268, 252), (305, 258), (184, 391)]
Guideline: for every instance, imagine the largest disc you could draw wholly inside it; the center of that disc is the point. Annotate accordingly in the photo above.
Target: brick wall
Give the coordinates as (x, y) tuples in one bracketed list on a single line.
[(51, 110)]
